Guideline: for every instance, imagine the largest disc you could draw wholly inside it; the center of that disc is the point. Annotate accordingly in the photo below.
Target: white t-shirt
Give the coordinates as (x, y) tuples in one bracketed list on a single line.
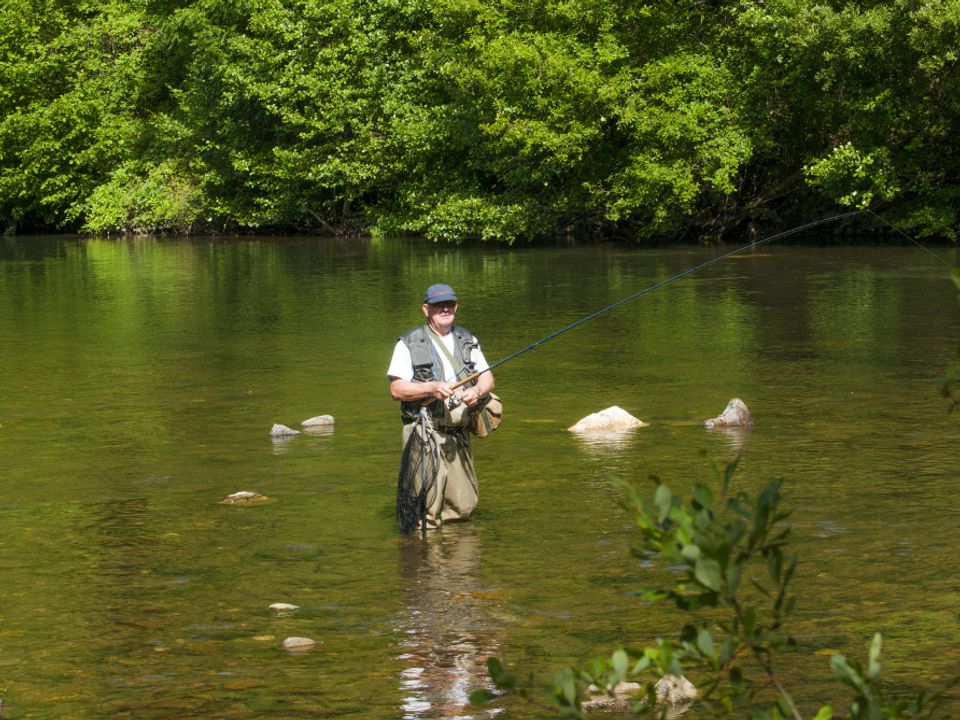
[(401, 365)]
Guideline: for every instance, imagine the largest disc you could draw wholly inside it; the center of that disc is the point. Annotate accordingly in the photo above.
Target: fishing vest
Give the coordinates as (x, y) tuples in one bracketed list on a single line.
[(427, 365)]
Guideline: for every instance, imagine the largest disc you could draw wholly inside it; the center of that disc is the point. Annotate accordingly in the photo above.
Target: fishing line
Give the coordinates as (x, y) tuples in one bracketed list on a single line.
[(660, 284), (915, 242)]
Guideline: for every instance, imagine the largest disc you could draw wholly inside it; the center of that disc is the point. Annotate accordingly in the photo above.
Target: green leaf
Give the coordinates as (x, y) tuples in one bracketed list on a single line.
[(703, 496), (620, 663), (691, 552), (824, 713), (705, 643), (873, 669), (663, 499), (498, 673), (847, 672), (707, 573), (481, 697)]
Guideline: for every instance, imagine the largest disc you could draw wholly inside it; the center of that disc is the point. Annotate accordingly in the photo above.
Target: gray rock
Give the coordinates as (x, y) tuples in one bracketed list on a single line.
[(279, 430), (676, 692), (735, 414)]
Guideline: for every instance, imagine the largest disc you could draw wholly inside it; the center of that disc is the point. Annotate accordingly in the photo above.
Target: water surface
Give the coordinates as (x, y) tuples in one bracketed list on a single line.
[(141, 379)]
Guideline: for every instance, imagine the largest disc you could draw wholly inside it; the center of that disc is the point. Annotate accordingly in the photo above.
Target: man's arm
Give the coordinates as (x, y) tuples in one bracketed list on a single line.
[(404, 390)]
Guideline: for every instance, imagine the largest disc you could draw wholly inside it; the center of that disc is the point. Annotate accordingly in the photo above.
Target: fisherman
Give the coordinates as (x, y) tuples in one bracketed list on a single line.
[(427, 361)]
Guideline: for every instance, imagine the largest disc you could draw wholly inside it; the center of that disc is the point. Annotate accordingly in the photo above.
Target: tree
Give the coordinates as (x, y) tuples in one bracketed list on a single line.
[(68, 81)]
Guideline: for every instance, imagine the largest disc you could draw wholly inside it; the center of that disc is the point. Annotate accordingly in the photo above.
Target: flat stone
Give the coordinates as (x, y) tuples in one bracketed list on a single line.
[(245, 497), (279, 430), (612, 418), (736, 414), (318, 421), (284, 608), (299, 644)]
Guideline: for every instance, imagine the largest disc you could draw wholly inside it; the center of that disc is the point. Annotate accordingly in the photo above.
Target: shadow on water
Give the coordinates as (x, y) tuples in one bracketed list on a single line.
[(447, 633)]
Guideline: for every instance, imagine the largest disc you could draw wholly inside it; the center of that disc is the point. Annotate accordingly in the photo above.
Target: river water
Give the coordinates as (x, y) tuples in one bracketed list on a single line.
[(141, 379)]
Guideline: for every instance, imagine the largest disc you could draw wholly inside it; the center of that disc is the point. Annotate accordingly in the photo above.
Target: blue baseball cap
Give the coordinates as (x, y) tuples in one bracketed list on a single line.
[(439, 293)]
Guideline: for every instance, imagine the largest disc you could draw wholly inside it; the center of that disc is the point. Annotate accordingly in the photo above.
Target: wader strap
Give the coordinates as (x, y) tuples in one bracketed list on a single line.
[(443, 348)]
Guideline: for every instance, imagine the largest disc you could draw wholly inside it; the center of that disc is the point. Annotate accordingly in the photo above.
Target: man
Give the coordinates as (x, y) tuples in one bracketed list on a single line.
[(427, 361)]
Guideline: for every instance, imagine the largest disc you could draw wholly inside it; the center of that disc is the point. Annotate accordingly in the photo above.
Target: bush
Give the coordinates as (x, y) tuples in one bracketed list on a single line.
[(735, 586)]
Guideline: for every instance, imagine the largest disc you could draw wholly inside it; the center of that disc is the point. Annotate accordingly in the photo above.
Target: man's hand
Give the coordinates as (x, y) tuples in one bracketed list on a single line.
[(439, 390), (406, 390), (470, 396)]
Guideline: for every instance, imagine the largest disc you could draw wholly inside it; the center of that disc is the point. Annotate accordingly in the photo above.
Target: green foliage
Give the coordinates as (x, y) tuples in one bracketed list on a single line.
[(69, 75), (854, 178), (163, 198), (458, 119), (734, 582)]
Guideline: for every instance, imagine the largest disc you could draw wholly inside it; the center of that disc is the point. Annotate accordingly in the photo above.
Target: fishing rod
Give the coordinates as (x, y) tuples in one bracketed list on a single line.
[(655, 286)]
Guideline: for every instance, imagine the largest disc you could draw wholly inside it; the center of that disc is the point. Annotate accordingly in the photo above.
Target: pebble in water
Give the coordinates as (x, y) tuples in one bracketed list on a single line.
[(245, 497), (284, 608)]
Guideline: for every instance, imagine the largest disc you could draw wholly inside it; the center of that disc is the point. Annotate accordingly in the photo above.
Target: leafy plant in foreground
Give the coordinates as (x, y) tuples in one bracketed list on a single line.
[(735, 583)]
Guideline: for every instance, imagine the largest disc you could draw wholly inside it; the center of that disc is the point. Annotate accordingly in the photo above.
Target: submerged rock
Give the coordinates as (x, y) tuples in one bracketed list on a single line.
[(612, 418), (618, 699), (735, 414), (299, 644), (245, 497), (279, 430), (674, 692)]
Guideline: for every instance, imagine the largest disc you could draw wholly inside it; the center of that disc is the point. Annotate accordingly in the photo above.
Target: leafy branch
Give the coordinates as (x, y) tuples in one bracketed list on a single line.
[(734, 582)]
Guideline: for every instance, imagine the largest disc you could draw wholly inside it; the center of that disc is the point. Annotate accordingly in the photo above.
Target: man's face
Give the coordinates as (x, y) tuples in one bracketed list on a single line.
[(440, 316)]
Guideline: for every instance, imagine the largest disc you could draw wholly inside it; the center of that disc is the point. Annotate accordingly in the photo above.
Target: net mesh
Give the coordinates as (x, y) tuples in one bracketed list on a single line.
[(419, 464)]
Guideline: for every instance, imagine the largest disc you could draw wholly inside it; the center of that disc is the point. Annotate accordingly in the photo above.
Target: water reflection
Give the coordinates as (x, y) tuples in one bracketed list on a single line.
[(605, 442), (736, 436), (447, 633), (281, 443)]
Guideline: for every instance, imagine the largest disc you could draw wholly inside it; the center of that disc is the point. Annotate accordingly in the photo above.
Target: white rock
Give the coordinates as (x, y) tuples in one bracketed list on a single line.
[(299, 644), (279, 430), (613, 418), (318, 421), (735, 414), (284, 608), (245, 497)]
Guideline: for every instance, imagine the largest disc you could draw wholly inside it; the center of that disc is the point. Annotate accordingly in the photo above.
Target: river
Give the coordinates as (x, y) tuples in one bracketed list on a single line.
[(141, 379)]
